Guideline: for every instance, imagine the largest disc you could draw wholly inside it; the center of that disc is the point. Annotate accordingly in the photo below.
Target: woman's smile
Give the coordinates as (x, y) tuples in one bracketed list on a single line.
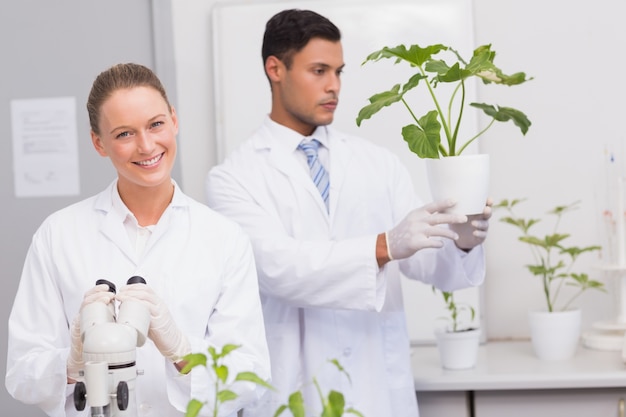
[(150, 162)]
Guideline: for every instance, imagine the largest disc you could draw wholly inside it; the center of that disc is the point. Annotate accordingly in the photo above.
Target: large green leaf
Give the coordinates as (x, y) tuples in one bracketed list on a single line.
[(296, 404), (221, 371), (415, 55), (252, 377), (336, 404), (424, 140), (412, 83), (482, 66), (378, 101), (193, 408), (447, 74), (227, 349), (575, 251), (192, 360), (226, 395), (504, 114)]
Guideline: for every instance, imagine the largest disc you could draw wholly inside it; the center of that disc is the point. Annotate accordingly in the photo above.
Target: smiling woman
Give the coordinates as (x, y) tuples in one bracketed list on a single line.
[(200, 282), (137, 131)]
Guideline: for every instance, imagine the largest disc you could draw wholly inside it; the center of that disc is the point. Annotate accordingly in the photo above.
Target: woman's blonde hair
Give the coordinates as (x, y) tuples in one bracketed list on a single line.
[(120, 76)]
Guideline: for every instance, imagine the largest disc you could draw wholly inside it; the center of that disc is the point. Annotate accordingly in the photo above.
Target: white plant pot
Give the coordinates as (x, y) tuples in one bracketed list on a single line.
[(556, 335), (458, 350), (464, 178)]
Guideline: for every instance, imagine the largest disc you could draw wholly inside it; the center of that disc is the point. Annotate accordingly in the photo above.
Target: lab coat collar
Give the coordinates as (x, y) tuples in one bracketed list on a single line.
[(282, 143), (104, 200), (288, 139), (113, 224)]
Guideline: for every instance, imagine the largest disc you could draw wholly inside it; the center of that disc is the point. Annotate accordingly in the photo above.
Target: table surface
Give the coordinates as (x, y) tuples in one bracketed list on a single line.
[(511, 365)]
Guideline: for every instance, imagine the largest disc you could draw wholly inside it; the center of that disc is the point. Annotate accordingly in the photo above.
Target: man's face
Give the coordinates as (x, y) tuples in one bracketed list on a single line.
[(306, 95)]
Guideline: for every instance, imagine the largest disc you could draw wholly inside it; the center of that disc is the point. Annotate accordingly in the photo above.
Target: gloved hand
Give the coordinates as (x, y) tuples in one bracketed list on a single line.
[(98, 294), (420, 229), (474, 231), (164, 332), (75, 358)]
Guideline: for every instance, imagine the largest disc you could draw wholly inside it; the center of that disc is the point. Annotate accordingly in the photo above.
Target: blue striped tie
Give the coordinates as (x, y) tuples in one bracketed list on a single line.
[(318, 172)]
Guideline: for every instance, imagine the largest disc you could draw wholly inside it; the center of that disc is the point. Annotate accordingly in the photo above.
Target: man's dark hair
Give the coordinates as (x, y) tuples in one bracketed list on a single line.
[(289, 31)]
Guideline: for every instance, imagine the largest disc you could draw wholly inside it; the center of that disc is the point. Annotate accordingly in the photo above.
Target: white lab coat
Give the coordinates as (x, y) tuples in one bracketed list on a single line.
[(323, 295), (197, 261)]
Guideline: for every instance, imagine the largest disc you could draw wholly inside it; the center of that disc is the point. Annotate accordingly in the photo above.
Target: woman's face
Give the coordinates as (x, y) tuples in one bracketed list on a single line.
[(138, 133)]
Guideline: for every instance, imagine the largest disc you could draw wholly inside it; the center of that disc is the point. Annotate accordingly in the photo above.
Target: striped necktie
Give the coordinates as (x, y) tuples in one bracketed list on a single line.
[(318, 172)]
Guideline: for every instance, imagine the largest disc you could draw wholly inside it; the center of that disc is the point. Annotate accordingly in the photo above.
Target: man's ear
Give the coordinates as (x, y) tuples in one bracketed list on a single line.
[(97, 143), (274, 68)]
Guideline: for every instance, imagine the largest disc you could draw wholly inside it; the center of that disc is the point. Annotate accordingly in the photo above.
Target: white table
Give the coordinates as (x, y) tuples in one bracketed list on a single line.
[(510, 380)]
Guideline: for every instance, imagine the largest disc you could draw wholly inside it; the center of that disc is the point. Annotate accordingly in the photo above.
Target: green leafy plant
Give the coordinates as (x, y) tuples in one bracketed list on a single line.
[(554, 260), (223, 391), (333, 405), (424, 136), (456, 312)]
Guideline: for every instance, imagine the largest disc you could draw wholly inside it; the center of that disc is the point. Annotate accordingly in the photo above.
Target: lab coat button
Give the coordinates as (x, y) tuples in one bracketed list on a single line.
[(145, 409), (347, 352)]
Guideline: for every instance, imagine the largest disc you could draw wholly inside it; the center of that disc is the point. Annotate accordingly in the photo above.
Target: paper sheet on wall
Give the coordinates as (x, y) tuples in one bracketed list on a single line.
[(45, 147)]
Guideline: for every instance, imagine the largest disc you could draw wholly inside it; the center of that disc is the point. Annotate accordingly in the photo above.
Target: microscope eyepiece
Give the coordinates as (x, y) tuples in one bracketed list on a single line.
[(109, 283), (136, 280)]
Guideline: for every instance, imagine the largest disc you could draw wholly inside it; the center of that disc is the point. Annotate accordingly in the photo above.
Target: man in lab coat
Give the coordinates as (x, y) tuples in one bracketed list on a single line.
[(329, 259)]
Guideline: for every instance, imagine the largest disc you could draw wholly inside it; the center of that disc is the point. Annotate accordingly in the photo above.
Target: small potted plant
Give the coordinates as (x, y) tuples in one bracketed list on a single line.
[(457, 342), (424, 136), (555, 331)]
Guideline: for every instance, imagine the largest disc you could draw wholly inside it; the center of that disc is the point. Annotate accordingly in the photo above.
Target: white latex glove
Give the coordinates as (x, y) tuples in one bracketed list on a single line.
[(473, 232), (98, 294), (164, 332), (420, 229)]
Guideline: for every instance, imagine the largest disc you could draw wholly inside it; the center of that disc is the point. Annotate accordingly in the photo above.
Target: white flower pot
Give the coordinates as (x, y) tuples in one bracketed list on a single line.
[(458, 350), (464, 178), (556, 335)]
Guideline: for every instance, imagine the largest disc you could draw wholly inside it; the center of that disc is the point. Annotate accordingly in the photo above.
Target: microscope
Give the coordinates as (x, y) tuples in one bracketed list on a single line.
[(109, 352)]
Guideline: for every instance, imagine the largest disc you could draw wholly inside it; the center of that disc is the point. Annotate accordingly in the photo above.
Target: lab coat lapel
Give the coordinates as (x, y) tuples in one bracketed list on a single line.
[(340, 158), (112, 226), (179, 202)]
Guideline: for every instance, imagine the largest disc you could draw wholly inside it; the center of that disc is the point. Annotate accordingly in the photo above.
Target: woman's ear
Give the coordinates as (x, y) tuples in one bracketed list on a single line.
[(97, 143), (174, 119)]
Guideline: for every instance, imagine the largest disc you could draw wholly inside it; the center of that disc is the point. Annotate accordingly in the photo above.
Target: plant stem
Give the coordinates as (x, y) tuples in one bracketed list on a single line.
[(442, 117), (476, 136), (546, 291), (319, 392), (458, 120), (215, 407), (538, 258), (558, 287), (411, 112), (575, 296)]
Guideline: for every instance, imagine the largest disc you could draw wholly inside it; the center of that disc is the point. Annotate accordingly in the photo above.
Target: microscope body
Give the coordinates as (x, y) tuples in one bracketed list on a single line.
[(109, 353)]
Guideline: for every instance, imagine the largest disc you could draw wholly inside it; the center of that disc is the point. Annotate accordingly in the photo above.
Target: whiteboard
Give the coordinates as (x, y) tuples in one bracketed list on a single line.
[(243, 98)]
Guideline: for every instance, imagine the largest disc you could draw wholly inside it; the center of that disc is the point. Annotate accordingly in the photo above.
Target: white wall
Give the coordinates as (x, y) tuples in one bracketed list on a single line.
[(571, 48), (574, 51)]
